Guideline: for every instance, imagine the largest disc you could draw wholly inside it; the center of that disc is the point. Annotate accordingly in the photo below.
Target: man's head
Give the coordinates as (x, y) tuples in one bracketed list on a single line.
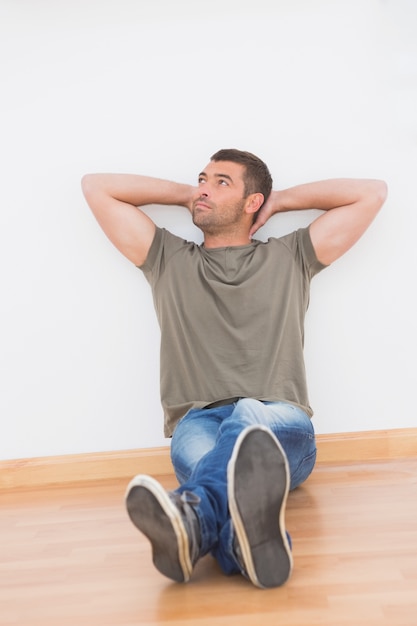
[(256, 176), (231, 190)]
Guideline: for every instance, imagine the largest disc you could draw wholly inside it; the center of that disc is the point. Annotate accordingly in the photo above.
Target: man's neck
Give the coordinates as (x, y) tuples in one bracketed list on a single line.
[(226, 240)]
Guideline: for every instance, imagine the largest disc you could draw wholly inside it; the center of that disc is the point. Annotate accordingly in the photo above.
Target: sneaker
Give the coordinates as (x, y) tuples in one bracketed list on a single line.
[(258, 484), (170, 523)]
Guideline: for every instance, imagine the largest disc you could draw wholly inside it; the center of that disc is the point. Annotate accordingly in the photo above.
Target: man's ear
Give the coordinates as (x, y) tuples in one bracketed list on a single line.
[(253, 202)]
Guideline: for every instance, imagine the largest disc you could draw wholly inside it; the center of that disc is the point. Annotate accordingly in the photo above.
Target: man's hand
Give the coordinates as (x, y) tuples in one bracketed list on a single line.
[(269, 208)]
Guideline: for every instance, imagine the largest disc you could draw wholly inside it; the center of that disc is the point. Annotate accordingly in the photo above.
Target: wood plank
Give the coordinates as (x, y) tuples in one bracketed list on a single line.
[(338, 447)]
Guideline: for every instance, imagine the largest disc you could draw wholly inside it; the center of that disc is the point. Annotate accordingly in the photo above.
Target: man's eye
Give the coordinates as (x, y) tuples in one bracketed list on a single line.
[(222, 181), (201, 180)]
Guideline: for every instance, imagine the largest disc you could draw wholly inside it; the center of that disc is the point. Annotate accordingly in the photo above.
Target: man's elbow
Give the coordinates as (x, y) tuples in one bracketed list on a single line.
[(87, 184), (381, 193)]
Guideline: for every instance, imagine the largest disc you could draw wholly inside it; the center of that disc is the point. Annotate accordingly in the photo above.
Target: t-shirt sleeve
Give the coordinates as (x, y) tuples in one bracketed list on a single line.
[(163, 247), (312, 264), (301, 248)]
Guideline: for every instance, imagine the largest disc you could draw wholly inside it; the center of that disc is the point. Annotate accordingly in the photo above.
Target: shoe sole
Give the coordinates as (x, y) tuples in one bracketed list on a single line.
[(155, 515), (258, 484)]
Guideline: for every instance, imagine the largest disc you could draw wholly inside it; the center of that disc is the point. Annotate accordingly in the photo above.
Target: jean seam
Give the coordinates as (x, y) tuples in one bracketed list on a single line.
[(310, 457)]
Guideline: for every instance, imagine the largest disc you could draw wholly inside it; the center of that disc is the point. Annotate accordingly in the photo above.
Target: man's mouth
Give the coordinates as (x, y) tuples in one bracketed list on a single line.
[(199, 204)]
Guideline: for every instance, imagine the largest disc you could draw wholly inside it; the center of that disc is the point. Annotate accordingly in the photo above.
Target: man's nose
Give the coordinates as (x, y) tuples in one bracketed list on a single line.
[(201, 192)]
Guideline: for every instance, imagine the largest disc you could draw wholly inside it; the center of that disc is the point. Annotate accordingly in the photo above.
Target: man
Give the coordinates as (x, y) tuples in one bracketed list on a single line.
[(233, 387)]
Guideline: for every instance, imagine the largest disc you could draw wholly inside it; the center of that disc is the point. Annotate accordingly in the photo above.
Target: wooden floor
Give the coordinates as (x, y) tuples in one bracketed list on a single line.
[(70, 557)]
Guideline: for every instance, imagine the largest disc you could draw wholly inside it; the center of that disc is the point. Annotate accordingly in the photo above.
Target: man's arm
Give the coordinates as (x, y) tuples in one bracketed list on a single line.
[(114, 199), (350, 205)]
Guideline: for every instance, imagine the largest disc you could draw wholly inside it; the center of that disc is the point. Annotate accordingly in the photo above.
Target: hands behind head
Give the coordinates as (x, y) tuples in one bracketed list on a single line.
[(269, 208)]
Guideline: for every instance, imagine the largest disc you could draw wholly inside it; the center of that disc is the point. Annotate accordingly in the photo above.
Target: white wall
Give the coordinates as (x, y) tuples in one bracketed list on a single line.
[(318, 88)]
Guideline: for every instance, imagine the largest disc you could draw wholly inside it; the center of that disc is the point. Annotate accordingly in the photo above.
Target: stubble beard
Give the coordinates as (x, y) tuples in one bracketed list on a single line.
[(213, 221)]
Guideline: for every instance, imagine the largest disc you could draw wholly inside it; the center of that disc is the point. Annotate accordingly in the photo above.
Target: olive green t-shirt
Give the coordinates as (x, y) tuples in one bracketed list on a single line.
[(231, 320)]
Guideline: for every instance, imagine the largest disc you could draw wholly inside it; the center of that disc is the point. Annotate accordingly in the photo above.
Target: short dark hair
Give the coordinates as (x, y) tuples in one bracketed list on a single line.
[(257, 178)]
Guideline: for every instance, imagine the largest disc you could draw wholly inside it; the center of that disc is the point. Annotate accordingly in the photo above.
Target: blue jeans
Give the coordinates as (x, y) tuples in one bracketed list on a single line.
[(202, 445)]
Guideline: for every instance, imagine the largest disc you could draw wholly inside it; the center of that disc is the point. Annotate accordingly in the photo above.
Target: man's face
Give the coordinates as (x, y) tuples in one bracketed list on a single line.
[(218, 203)]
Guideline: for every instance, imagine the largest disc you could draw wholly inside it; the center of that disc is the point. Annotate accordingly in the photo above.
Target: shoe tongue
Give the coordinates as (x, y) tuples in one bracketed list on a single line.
[(188, 497), (185, 503)]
